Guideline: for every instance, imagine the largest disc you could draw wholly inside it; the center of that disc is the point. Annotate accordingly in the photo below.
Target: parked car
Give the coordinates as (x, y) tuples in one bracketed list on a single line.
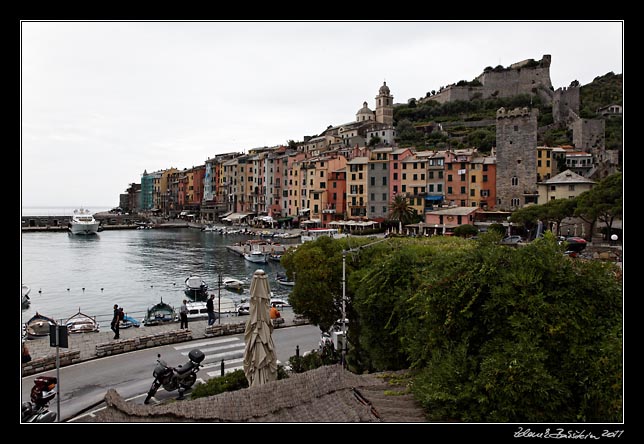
[(512, 240), (573, 243)]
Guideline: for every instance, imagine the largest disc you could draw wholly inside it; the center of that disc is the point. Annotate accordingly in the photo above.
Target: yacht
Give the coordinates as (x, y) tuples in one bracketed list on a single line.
[(83, 222), (256, 255)]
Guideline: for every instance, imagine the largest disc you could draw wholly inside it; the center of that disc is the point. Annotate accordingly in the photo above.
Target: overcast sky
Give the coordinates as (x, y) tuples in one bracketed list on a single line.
[(104, 101)]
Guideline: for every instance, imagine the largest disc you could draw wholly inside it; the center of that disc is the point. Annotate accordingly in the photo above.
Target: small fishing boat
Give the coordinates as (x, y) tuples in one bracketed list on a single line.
[(283, 280), (38, 326), (256, 255), (275, 257), (128, 322), (160, 313), (25, 301), (233, 284), (81, 323), (196, 288)]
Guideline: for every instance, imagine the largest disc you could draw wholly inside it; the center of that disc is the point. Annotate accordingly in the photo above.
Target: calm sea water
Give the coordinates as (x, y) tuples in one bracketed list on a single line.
[(132, 268)]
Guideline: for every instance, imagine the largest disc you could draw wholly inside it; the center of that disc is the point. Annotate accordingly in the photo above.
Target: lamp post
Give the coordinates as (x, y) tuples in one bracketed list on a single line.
[(509, 227), (219, 282)]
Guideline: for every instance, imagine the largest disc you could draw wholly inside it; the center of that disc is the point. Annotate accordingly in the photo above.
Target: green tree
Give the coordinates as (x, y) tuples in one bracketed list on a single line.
[(400, 211), (375, 140), (603, 202), (466, 230)]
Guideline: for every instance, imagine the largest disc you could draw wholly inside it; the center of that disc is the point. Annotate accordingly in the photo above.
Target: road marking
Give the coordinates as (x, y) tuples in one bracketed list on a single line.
[(205, 351), (224, 355), (204, 343), (216, 364)]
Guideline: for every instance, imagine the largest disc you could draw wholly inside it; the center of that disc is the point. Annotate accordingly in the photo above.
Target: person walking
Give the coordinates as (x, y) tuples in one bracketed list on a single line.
[(210, 309), (115, 321), (183, 314)]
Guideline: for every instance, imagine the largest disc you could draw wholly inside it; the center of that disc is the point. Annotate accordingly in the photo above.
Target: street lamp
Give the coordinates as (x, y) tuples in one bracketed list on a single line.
[(219, 282)]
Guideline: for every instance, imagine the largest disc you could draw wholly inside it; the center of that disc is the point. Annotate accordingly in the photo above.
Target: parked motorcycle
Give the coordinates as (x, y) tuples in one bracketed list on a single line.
[(43, 391), (173, 378)]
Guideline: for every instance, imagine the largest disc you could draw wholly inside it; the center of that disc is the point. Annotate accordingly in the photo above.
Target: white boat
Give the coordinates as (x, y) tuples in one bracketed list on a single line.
[(233, 284), (196, 288), (256, 255), (81, 323), (83, 222), (25, 296), (197, 310)]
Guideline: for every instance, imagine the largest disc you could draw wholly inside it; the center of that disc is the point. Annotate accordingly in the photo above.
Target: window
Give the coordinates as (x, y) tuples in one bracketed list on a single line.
[(485, 178), (462, 205), (473, 179), (422, 176), (395, 163), (404, 166), (484, 167), (353, 176), (335, 184), (384, 210), (538, 163), (373, 181), (384, 180), (571, 188), (473, 193), (449, 166), (547, 163), (373, 210), (395, 176), (515, 202), (515, 181), (373, 196), (360, 176), (463, 190), (462, 177), (335, 196), (415, 176), (322, 173), (449, 190), (516, 127), (373, 166), (553, 187), (539, 154), (431, 188), (384, 166), (404, 188), (440, 174), (384, 196), (431, 174), (449, 177), (404, 176), (322, 184), (395, 189)]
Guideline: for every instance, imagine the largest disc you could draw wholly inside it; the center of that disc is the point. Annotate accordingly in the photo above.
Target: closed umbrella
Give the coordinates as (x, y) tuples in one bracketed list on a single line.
[(260, 360)]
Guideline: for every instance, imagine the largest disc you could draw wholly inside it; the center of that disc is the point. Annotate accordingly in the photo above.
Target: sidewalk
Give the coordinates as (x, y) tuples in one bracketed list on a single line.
[(86, 342)]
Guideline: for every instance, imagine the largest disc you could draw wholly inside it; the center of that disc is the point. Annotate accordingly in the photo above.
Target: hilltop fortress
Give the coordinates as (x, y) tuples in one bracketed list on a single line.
[(525, 77)]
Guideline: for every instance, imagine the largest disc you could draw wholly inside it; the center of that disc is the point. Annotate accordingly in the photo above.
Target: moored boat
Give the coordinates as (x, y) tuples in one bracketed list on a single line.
[(256, 255), (196, 288), (25, 301), (233, 284), (160, 313), (128, 322), (81, 323), (38, 326), (82, 222)]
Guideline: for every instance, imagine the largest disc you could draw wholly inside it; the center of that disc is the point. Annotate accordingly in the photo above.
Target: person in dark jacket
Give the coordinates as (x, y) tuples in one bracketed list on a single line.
[(115, 322), (210, 309)]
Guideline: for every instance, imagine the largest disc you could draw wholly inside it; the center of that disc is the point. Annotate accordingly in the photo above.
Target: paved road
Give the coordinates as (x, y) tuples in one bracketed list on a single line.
[(84, 385)]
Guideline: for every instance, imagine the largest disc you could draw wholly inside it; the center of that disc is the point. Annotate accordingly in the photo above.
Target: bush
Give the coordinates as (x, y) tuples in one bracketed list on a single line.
[(229, 382)]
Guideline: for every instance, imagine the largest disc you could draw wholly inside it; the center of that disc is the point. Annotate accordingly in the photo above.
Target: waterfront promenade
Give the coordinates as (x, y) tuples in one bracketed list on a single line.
[(86, 343)]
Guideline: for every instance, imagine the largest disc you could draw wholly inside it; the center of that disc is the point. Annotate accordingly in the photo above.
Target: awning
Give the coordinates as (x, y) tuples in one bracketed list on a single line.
[(236, 216), (434, 198), (311, 221), (227, 214), (285, 219)]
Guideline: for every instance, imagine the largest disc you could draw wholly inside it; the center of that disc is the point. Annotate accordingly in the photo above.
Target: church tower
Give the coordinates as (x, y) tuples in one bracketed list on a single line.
[(384, 105)]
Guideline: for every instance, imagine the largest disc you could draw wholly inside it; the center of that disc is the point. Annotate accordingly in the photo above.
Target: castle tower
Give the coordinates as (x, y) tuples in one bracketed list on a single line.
[(516, 158), (384, 105)]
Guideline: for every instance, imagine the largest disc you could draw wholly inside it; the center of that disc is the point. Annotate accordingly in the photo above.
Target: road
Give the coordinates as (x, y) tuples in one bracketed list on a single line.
[(84, 385)]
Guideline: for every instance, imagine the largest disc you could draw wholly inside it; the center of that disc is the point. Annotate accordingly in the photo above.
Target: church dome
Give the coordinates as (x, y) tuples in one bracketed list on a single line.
[(384, 89), (365, 109)]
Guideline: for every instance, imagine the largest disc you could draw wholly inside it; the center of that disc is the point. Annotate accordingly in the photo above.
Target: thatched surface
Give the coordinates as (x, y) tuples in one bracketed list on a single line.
[(327, 394)]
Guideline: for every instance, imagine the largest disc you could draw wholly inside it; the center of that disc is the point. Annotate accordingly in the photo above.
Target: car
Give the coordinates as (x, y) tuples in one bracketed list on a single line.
[(512, 240), (244, 307), (573, 243)]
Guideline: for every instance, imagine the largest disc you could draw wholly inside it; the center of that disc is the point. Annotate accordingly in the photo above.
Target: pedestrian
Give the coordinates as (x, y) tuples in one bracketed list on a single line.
[(115, 321), (274, 312), (26, 357), (183, 314), (210, 309)]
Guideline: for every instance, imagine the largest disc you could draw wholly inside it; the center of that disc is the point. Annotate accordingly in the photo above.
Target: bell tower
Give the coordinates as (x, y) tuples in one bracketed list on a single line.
[(384, 105)]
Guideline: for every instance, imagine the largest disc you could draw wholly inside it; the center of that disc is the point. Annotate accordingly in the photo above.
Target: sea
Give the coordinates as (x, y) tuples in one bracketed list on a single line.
[(132, 268)]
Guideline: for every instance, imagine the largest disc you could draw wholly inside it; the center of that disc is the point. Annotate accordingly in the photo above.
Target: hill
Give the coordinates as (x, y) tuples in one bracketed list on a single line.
[(464, 124)]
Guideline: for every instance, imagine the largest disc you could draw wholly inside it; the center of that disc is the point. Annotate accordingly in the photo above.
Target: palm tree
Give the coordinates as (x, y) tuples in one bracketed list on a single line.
[(401, 211)]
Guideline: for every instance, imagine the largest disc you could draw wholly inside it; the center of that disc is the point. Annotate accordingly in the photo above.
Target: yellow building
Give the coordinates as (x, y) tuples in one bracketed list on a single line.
[(566, 185), (546, 164), (413, 182)]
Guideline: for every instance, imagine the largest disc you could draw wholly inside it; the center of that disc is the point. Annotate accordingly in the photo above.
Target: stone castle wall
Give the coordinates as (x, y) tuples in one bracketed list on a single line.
[(563, 101)]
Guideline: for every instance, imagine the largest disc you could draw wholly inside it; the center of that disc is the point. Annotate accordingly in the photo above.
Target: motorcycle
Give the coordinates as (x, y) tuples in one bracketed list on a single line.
[(173, 378), (43, 391)]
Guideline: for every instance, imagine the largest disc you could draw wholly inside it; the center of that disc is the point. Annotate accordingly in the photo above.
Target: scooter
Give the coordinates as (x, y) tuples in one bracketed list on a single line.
[(173, 378), (43, 391)]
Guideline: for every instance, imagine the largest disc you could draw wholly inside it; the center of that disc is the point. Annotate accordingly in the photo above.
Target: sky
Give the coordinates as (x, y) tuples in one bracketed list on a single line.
[(102, 102)]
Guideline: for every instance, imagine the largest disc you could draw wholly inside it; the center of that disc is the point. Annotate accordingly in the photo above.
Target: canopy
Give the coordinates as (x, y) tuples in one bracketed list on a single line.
[(260, 359)]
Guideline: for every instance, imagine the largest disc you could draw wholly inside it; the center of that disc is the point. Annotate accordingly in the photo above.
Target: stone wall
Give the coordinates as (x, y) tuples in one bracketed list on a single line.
[(565, 99), (127, 345), (49, 362), (225, 329)]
